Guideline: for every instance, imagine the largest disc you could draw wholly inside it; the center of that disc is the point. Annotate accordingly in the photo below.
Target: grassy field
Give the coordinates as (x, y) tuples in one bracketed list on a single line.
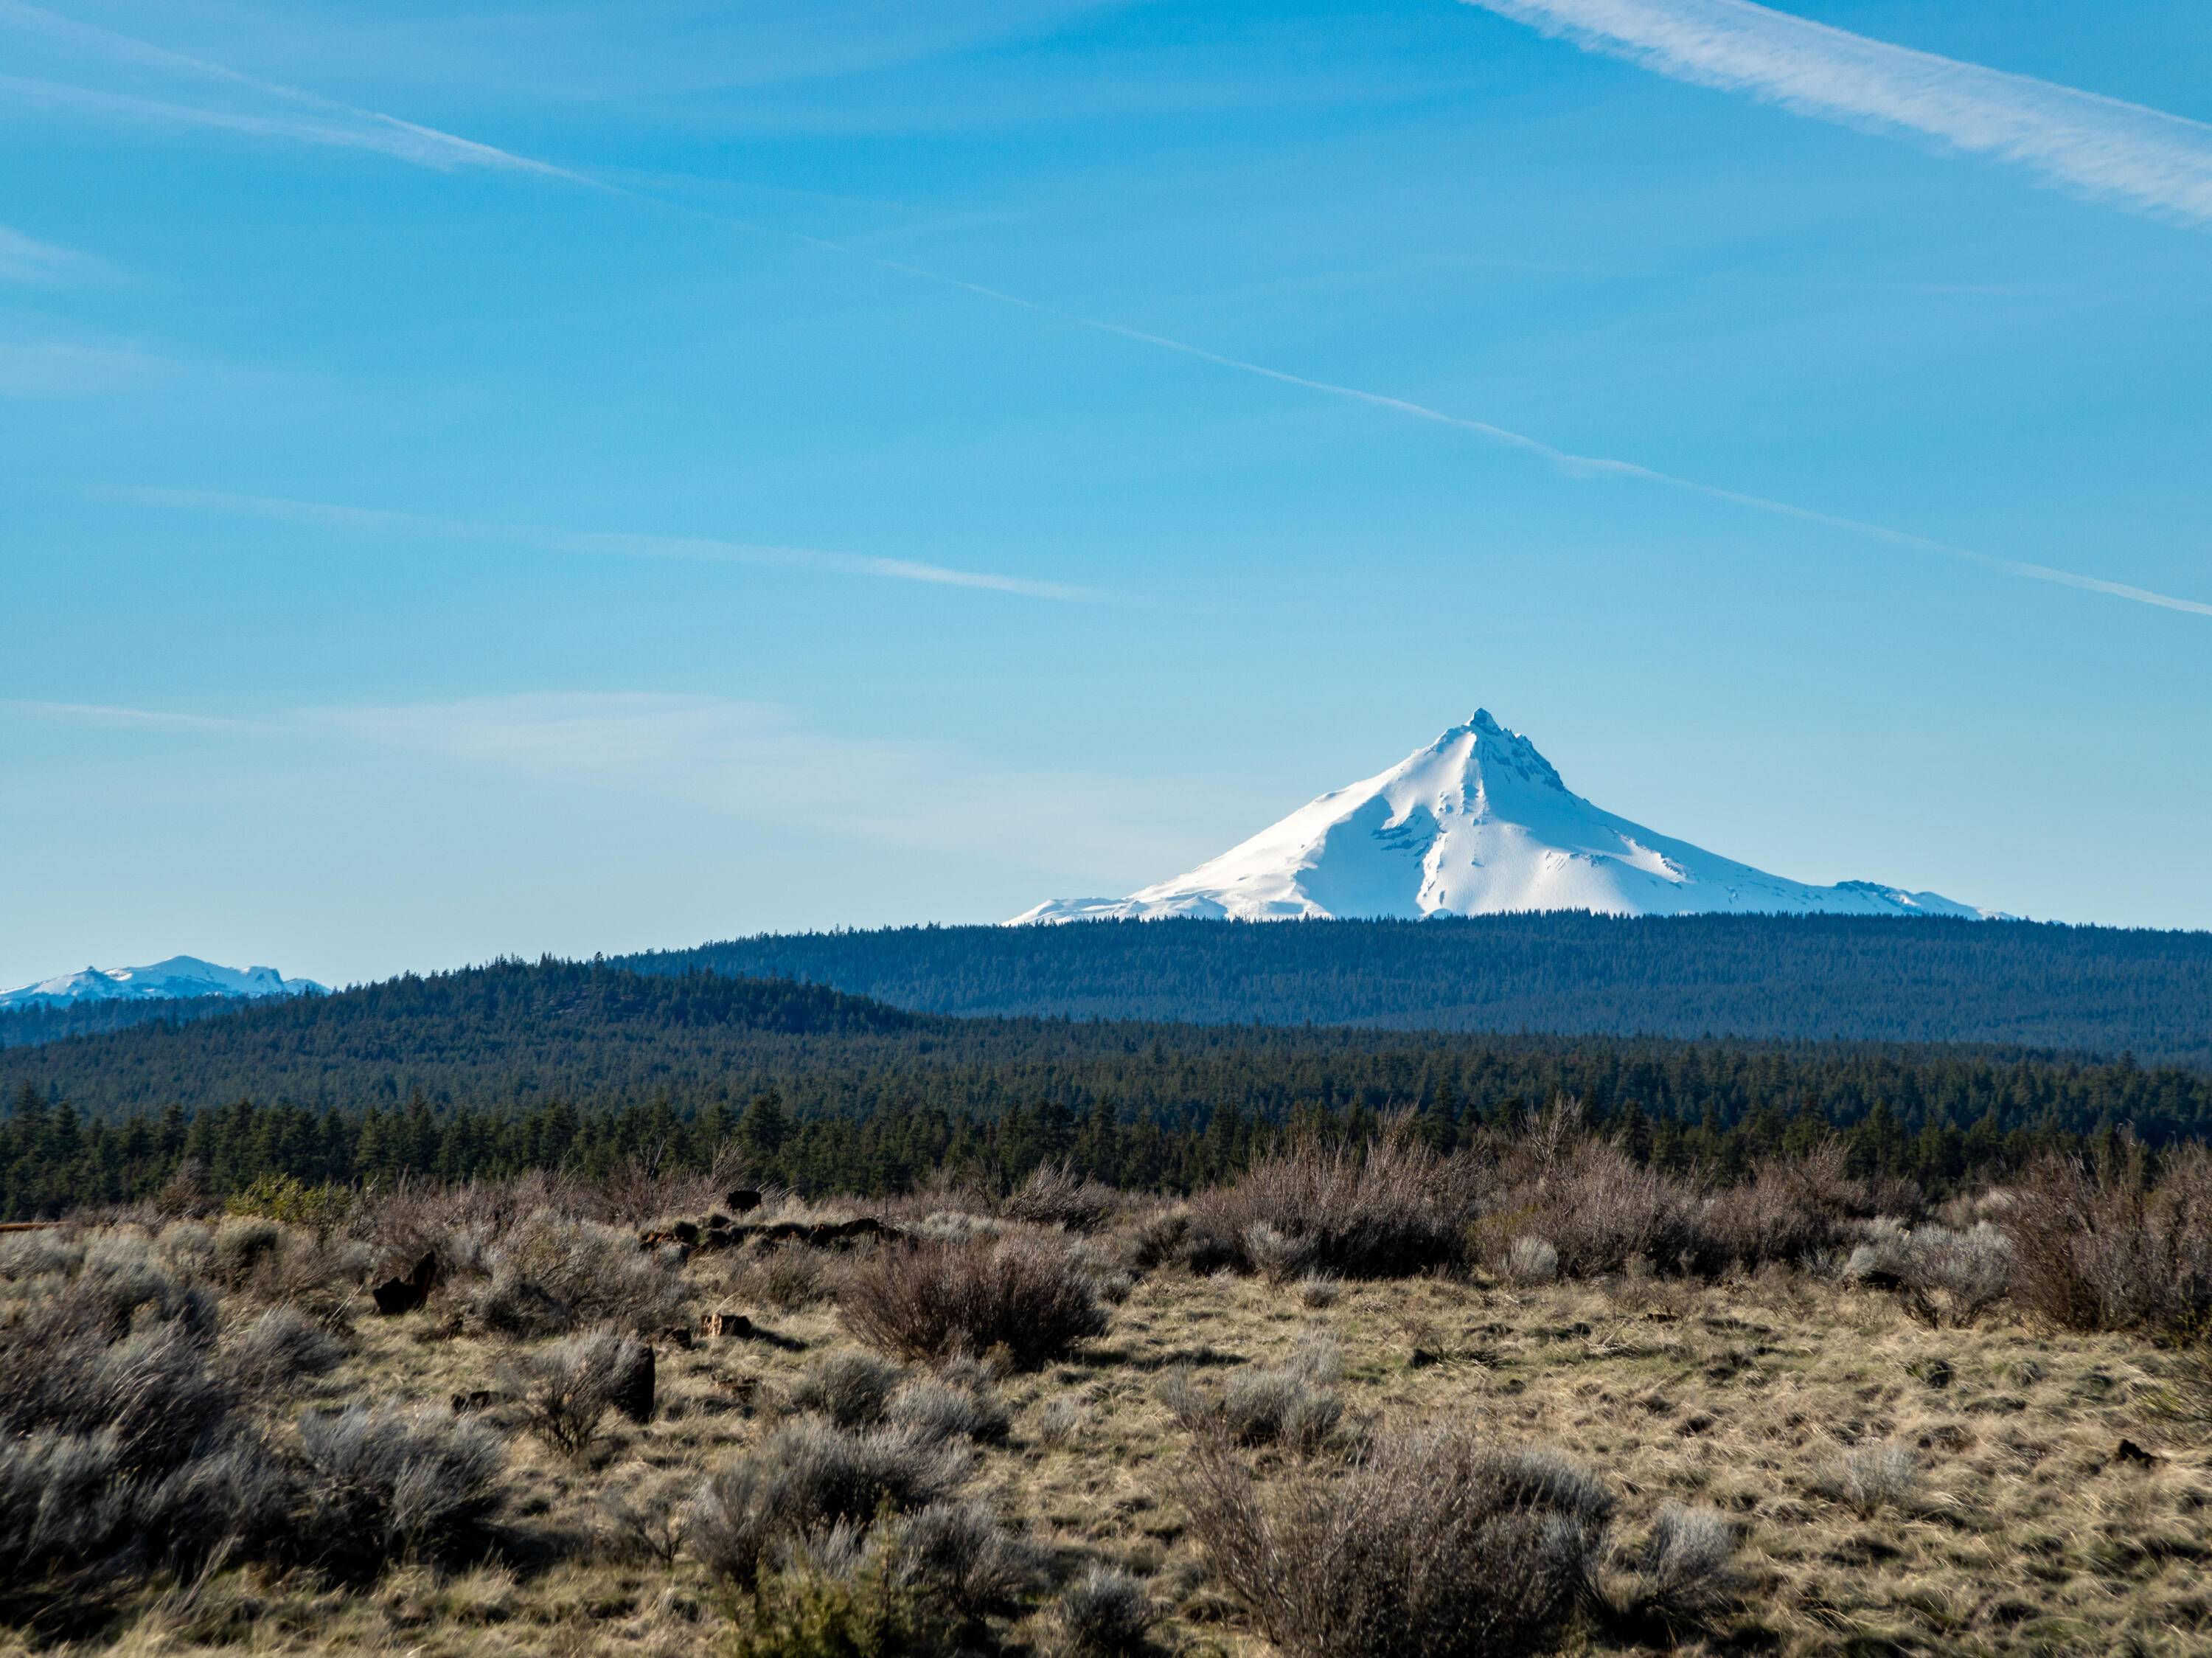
[(1859, 1474)]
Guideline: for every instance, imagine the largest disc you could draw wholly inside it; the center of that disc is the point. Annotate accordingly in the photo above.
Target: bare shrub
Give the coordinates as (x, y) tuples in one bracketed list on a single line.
[(1600, 1210), (791, 1277), (933, 1300), (649, 1520), (551, 1273), (1684, 1572), (103, 1285), (1954, 1277), (385, 1483), (120, 1447), (1055, 1196), (1275, 1256), (1790, 1210), (1156, 1238), (1871, 1478), (2103, 1249), (945, 1407), (149, 1391), (1319, 1291), (1059, 1423), (1433, 1546), (568, 1386), (1386, 1211), (805, 1477), (1293, 1404), (279, 1349), (959, 1556), (1105, 1613), (1271, 1406), (1529, 1262), (74, 1511), (850, 1389)]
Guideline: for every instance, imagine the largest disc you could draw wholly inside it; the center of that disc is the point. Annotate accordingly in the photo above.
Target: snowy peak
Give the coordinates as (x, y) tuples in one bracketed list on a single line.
[(1477, 823), (177, 977)]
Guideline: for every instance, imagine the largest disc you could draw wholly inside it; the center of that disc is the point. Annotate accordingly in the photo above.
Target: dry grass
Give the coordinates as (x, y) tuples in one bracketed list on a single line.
[(1797, 1462)]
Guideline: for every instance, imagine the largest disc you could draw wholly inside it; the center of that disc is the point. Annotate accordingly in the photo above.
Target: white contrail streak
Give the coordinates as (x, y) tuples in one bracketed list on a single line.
[(1573, 465), (345, 126), (2089, 143), (2160, 159), (693, 549)]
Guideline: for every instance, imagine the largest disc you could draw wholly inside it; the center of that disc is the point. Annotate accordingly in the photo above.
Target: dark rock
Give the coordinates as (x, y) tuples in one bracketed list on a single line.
[(2130, 1452), (396, 1295), (476, 1399), (678, 1335), (724, 1326), (745, 1200), (633, 1392), (687, 1232)]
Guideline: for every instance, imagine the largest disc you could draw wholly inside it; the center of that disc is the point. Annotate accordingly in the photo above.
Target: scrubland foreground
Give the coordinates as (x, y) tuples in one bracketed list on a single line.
[(1527, 1398)]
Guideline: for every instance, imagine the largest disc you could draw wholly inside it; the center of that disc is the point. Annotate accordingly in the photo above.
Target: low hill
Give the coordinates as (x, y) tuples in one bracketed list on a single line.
[(2092, 990), (512, 1032), (506, 1040)]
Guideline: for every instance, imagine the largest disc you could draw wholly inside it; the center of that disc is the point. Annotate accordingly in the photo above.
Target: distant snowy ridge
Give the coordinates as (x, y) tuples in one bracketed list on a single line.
[(1477, 823), (180, 976)]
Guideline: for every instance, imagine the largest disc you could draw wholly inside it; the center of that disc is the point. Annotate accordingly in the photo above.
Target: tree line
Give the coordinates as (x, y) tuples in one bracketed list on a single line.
[(2093, 989)]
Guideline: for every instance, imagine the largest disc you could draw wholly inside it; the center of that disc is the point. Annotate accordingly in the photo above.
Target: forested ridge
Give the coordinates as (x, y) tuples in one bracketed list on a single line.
[(585, 1066), (2095, 990)]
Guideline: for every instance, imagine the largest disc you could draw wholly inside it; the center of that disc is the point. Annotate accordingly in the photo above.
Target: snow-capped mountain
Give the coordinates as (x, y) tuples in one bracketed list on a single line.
[(180, 976), (1477, 823)]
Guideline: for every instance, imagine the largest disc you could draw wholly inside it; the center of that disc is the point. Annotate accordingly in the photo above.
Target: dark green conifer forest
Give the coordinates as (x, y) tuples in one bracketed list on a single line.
[(2093, 990), (589, 1068)]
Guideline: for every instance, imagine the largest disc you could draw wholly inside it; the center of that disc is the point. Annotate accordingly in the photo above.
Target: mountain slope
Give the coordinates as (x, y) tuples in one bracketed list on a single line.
[(1477, 823), (180, 976)]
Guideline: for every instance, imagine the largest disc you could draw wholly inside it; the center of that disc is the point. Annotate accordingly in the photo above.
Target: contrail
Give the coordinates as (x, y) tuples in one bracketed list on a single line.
[(2089, 143), (693, 549), (1568, 462), (1760, 37), (404, 140)]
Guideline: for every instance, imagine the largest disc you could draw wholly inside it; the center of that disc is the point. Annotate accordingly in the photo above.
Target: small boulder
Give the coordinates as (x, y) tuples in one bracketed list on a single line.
[(633, 1390), (2134, 1454), (396, 1295)]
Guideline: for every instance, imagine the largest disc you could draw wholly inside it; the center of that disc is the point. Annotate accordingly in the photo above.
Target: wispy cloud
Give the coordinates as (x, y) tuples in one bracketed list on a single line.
[(760, 763), (27, 260), (114, 717), (604, 543), (2092, 144), (756, 761), (1567, 461), (55, 369), (327, 121), (2160, 161)]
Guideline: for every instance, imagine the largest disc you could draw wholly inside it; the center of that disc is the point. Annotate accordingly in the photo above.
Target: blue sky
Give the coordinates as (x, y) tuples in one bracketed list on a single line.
[(486, 481)]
